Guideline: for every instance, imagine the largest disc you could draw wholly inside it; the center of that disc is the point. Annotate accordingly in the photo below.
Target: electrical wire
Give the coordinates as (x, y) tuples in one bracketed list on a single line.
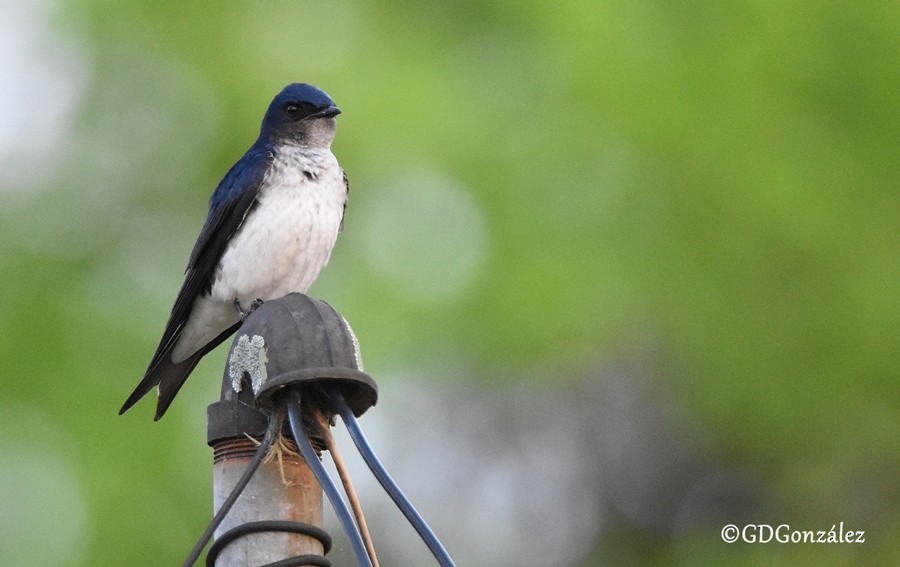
[(275, 526), (324, 430), (414, 518), (344, 515), (268, 439)]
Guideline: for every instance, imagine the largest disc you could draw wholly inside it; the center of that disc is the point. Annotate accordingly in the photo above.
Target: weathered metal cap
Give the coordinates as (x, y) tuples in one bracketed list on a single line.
[(292, 341)]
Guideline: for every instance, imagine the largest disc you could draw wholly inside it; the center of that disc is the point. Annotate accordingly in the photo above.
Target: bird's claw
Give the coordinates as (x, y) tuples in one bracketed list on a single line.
[(240, 310)]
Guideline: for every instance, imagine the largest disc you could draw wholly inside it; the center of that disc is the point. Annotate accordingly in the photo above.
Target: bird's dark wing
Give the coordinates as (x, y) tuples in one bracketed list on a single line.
[(229, 205)]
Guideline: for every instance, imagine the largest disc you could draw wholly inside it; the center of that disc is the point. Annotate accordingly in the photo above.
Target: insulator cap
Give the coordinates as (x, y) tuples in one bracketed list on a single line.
[(292, 341)]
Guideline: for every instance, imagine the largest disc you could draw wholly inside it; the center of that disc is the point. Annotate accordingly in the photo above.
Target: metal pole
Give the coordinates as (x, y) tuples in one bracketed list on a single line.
[(296, 497), (283, 488)]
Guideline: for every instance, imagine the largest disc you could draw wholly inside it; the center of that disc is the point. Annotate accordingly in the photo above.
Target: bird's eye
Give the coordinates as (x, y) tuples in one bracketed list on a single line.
[(292, 110)]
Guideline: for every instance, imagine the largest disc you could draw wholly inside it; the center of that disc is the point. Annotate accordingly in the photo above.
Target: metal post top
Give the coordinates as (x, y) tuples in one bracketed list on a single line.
[(292, 341)]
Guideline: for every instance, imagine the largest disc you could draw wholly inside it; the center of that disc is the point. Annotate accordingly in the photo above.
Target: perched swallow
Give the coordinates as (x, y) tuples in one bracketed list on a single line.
[(272, 224)]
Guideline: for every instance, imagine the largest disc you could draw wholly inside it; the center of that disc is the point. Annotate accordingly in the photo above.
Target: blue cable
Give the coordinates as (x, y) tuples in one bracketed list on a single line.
[(428, 536), (334, 496)]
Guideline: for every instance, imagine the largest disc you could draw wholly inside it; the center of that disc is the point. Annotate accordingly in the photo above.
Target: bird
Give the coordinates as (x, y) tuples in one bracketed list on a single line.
[(272, 224)]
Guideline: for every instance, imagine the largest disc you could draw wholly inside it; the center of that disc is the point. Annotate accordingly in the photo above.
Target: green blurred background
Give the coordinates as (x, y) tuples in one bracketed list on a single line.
[(625, 271)]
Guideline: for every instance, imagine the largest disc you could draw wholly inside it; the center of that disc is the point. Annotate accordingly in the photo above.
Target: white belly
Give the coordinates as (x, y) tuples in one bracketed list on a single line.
[(281, 247), (284, 243)]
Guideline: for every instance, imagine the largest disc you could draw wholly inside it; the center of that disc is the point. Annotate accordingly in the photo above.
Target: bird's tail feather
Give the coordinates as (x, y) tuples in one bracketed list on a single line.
[(170, 376), (166, 374)]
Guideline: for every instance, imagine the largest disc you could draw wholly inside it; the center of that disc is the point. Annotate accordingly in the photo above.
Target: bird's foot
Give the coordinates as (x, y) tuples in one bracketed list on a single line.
[(240, 310)]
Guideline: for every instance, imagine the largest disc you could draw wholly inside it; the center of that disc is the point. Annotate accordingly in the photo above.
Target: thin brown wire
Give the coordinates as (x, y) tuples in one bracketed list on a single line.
[(322, 424)]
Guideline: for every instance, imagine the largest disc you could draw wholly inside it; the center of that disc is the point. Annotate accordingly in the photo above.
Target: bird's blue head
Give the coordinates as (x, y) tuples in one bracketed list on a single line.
[(302, 113)]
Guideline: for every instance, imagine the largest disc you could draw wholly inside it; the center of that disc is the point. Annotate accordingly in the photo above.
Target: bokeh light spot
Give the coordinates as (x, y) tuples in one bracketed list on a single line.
[(426, 237)]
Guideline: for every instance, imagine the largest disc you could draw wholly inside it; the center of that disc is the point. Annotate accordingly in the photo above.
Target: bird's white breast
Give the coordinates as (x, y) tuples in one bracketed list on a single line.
[(286, 240), (280, 248)]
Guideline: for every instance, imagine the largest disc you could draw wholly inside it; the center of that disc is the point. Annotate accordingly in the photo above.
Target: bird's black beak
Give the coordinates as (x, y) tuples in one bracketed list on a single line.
[(326, 112)]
